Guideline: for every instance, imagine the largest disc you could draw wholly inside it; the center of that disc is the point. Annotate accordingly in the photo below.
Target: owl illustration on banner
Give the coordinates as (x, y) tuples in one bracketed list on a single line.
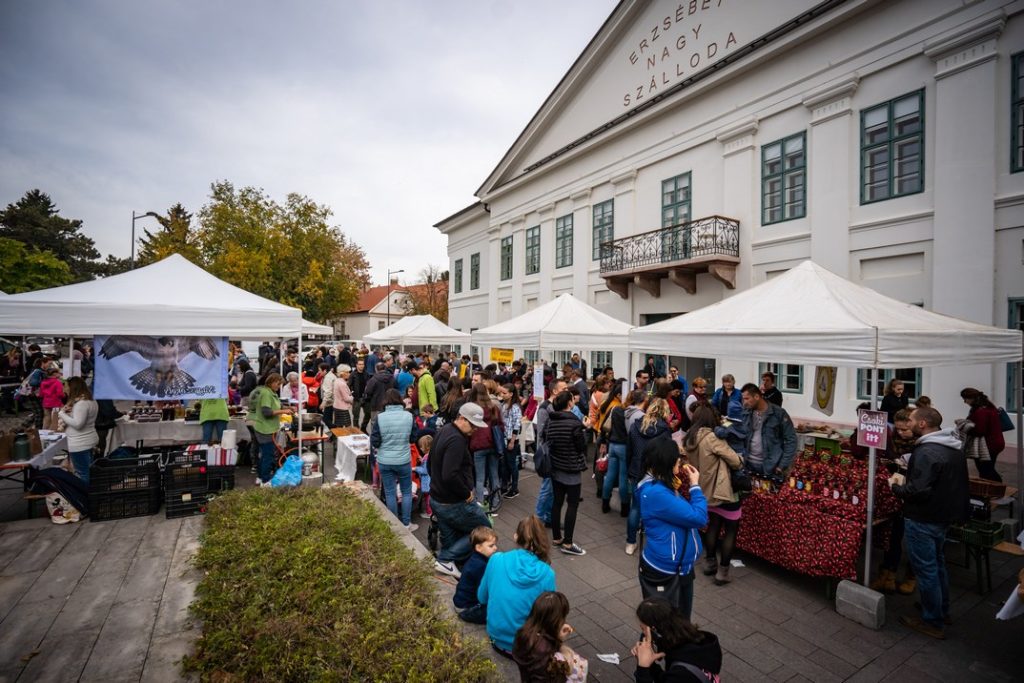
[(163, 377)]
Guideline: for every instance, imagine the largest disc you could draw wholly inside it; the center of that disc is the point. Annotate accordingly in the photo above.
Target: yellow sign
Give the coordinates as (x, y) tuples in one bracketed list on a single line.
[(502, 355)]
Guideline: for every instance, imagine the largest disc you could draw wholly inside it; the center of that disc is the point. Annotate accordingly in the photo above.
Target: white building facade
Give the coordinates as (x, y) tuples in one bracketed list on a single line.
[(711, 144)]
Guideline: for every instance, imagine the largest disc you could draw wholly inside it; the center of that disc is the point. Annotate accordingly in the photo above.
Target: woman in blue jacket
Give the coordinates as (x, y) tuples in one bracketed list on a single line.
[(653, 426), (671, 523), (393, 430)]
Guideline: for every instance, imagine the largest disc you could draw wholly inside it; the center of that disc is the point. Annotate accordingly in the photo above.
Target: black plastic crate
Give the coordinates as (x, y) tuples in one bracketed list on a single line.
[(126, 474), (125, 504), (220, 478), (190, 476), (185, 503), (177, 456)]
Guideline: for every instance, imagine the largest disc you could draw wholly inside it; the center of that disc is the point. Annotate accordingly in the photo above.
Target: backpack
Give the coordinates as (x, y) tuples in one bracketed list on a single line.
[(542, 455)]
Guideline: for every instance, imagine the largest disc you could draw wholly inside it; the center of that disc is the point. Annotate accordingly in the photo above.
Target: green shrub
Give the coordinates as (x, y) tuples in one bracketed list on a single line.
[(312, 585)]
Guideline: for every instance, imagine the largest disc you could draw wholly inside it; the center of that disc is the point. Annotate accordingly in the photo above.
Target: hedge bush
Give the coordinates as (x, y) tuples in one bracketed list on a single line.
[(312, 585)]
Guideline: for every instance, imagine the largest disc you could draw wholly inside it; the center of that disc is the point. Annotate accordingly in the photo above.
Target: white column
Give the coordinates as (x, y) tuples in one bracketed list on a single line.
[(546, 215), (829, 169), (518, 227), (582, 230), (624, 185), (963, 147)]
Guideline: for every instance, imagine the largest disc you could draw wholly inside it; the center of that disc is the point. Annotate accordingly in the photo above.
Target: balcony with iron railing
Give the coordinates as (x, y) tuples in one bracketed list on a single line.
[(677, 252)]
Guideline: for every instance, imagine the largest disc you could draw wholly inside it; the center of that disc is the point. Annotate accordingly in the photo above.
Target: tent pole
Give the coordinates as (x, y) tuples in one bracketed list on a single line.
[(872, 465), (301, 384), (71, 356)]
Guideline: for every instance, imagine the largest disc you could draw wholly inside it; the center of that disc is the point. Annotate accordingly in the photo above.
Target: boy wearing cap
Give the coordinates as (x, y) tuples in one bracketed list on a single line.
[(451, 488)]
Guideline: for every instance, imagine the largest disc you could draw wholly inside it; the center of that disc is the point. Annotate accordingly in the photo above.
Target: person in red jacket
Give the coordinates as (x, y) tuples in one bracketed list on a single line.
[(985, 417)]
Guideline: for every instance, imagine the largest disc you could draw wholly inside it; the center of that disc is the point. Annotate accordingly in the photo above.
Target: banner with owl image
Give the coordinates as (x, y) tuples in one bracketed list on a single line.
[(824, 399), (160, 368)]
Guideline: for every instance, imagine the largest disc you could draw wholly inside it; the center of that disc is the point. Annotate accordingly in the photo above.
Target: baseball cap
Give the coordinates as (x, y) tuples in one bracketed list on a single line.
[(473, 413)]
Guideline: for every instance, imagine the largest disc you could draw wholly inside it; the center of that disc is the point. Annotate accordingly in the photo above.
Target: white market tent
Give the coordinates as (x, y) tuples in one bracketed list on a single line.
[(172, 296), (810, 315), (309, 327), (417, 330), (565, 322)]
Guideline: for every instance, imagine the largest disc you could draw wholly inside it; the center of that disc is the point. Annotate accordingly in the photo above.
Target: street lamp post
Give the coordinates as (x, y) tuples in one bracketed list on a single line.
[(135, 218), (390, 273)]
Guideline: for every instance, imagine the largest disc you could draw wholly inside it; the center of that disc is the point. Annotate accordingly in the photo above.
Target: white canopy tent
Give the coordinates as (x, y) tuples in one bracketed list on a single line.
[(565, 322), (417, 329), (812, 316), (172, 296), (309, 327)]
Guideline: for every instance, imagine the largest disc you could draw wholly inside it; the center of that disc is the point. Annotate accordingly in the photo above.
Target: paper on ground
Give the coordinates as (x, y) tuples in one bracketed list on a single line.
[(613, 658), (737, 563)]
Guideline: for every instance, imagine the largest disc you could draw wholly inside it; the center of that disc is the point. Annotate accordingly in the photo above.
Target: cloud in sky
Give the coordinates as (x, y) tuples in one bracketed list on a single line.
[(391, 113)]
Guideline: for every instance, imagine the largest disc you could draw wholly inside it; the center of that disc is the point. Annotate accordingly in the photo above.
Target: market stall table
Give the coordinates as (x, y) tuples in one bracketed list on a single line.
[(129, 432), (348, 450), (18, 471)]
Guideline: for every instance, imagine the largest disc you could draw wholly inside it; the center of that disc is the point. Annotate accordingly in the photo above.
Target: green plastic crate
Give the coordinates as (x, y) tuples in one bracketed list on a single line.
[(976, 533)]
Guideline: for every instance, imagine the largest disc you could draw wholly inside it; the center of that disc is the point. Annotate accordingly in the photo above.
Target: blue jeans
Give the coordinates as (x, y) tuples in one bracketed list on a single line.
[(402, 475), (545, 501), (924, 545), (633, 523), (485, 464), (267, 456), (213, 430), (81, 461), (456, 522), (617, 472)]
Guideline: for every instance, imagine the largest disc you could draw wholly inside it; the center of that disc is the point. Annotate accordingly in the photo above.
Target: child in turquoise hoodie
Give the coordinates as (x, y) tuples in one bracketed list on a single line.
[(513, 580)]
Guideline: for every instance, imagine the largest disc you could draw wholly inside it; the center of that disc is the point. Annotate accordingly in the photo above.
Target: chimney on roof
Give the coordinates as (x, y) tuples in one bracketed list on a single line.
[(394, 282)]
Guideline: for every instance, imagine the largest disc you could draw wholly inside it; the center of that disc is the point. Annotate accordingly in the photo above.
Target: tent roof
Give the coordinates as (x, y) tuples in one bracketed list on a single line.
[(417, 329), (564, 323), (811, 315), (172, 296), (309, 327)]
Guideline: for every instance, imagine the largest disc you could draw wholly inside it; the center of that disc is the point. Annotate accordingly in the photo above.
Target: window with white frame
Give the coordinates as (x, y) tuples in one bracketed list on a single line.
[(604, 225), (911, 378), (1016, 316), (599, 360), (563, 241), (789, 378)]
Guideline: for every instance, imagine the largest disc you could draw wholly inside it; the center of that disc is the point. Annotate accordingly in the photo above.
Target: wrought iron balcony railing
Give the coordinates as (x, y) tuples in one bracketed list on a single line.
[(702, 237)]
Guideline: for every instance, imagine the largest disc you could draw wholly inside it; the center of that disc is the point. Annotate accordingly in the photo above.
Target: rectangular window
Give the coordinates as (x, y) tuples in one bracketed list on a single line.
[(560, 358), (1017, 114), (380, 325), (599, 360), (531, 356), (474, 271), (789, 378), (892, 148), (1015, 318), (533, 250), (784, 180), (604, 225), (675, 210), (458, 275), (506, 258), (563, 241), (911, 378)]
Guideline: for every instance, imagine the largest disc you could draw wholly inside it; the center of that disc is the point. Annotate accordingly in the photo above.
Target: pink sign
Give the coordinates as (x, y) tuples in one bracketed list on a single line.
[(872, 428)]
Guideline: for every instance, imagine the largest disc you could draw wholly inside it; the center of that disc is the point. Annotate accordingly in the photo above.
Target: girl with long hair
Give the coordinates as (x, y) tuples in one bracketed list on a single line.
[(512, 421), (653, 425), (687, 653), (79, 416), (612, 428), (513, 580), (484, 449), (714, 459), (540, 649)]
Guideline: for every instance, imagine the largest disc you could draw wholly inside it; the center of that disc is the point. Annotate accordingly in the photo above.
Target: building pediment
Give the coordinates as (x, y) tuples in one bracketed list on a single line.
[(643, 55)]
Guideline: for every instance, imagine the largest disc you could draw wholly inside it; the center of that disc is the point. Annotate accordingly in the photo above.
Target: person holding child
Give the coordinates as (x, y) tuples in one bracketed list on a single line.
[(485, 544), (540, 649), (513, 580)]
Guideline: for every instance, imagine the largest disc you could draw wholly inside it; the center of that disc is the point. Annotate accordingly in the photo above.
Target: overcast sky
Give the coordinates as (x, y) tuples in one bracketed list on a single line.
[(390, 113)]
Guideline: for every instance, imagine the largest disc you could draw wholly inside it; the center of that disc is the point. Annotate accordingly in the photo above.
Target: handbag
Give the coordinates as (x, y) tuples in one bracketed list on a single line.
[(498, 435), (542, 459), (666, 587), (1005, 423), (602, 465), (977, 448)]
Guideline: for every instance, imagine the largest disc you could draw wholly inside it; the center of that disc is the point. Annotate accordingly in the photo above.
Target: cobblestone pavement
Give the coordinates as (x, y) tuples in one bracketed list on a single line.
[(773, 625)]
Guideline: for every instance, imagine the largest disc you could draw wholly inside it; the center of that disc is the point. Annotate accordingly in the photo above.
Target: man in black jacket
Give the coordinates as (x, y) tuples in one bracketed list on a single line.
[(564, 434), (934, 495), (383, 379), (451, 488), (357, 383)]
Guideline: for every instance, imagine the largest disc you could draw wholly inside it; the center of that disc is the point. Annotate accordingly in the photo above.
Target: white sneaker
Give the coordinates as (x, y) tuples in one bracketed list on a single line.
[(413, 527), (448, 568), (630, 548), (424, 515)]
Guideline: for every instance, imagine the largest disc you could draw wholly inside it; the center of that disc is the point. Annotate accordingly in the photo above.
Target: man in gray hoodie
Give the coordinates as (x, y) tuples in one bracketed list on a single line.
[(934, 495)]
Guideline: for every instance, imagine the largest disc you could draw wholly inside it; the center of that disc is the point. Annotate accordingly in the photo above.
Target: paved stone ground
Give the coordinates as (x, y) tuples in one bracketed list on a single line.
[(773, 625), (108, 601)]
